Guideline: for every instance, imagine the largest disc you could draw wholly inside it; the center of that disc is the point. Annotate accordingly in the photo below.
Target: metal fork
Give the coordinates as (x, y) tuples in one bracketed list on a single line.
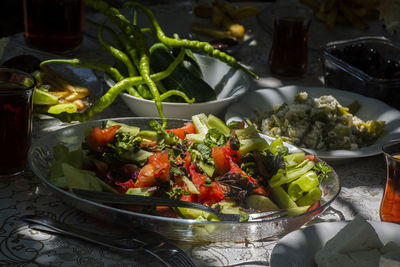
[(115, 198), (143, 241)]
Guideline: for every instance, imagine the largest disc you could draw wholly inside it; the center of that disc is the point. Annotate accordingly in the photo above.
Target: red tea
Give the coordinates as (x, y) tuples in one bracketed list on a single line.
[(53, 25), (390, 205), (16, 123), (288, 55)]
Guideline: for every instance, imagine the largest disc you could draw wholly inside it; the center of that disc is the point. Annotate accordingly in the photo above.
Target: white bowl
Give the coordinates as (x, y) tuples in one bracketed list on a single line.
[(229, 83)]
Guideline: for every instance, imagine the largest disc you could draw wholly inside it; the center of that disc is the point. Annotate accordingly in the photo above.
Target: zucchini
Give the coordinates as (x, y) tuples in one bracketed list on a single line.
[(181, 79)]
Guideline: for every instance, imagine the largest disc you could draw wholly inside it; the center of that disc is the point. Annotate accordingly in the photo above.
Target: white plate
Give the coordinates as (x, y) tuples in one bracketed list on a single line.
[(371, 109), (299, 247)]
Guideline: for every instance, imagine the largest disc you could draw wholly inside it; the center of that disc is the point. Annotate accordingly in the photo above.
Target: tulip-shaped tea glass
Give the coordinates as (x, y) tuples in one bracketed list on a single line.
[(16, 90), (390, 205)]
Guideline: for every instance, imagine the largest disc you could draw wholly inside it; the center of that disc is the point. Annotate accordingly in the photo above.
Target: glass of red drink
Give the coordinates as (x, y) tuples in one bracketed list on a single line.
[(390, 205), (53, 25), (16, 90), (288, 54)]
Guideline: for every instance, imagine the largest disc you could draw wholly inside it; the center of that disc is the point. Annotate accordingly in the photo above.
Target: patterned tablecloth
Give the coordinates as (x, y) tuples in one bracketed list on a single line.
[(363, 179)]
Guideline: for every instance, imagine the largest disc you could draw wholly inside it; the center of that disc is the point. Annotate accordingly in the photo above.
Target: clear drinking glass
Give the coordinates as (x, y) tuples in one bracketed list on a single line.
[(390, 205), (53, 25), (16, 90), (288, 54)]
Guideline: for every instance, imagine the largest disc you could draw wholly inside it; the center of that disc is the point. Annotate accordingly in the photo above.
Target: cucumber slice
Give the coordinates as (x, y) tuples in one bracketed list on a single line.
[(200, 123), (138, 156), (191, 187), (282, 198), (196, 138), (41, 97), (208, 169), (63, 107), (131, 130), (310, 198), (139, 191), (217, 123), (261, 203)]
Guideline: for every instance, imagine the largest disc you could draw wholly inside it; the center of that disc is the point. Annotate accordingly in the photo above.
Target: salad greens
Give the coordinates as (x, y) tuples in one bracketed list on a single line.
[(233, 170)]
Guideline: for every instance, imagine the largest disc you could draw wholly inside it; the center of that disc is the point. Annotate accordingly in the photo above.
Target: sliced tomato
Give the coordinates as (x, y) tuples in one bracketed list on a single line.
[(166, 212), (197, 178), (314, 206), (99, 138), (190, 198), (210, 193), (220, 159), (187, 128), (310, 157), (125, 185), (154, 172), (148, 143), (260, 190)]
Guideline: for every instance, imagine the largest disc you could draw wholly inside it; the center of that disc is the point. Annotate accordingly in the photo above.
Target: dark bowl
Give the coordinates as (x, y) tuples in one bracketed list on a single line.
[(353, 71)]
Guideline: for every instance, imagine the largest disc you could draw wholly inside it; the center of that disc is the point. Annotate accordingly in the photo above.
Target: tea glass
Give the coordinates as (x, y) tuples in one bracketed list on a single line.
[(53, 25), (16, 91), (390, 205), (288, 54)]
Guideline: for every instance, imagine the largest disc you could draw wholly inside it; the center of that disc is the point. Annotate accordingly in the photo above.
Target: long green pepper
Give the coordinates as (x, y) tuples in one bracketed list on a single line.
[(190, 44), (136, 36), (116, 53), (132, 52), (122, 84), (134, 42)]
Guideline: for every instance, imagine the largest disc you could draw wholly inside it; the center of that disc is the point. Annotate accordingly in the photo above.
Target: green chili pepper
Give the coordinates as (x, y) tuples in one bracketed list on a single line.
[(135, 42), (77, 63), (170, 93), (116, 53), (132, 51), (109, 98), (191, 44), (108, 29), (114, 91), (136, 36)]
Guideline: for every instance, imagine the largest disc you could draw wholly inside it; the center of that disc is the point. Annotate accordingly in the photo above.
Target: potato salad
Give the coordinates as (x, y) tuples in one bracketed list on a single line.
[(320, 123)]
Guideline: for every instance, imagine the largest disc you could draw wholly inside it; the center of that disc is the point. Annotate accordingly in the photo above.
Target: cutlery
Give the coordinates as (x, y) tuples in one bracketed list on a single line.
[(115, 198), (142, 241)]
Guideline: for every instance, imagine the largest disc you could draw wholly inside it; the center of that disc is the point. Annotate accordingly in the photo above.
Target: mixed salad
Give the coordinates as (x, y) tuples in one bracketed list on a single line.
[(228, 167)]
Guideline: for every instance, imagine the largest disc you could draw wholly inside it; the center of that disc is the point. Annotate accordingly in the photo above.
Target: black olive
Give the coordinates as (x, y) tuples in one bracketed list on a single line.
[(390, 68)]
